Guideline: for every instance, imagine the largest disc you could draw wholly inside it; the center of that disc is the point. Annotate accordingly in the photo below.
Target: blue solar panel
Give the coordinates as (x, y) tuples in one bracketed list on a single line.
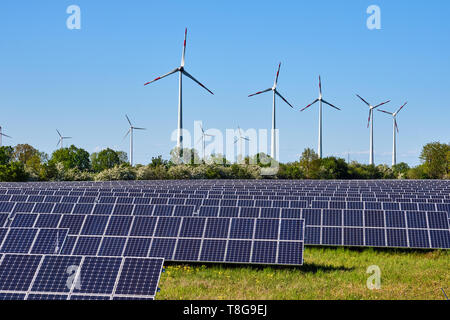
[(167, 227), (139, 277), (266, 229), (264, 252), (49, 241), (87, 246), (238, 251), (187, 250), (143, 226), (18, 240), (57, 274), (137, 247), (119, 226), (112, 246), (162, 247), (17, 272), (94, 225), (192, 227), (213, 250)]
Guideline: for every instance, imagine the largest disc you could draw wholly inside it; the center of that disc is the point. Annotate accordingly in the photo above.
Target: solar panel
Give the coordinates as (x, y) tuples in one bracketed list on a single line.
[(58, 277)]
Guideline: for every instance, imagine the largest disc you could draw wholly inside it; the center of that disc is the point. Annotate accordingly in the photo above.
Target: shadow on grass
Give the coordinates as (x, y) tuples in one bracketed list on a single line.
[(305, 268)]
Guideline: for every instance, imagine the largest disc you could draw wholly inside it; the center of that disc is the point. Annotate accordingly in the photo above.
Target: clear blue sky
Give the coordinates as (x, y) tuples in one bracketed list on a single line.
[(84, 81)]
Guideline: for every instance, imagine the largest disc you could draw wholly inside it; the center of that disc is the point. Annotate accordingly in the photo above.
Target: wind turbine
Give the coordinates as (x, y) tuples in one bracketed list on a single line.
[(61, 139), (241, 139), (395, 128), (1, 137), (182, 72), (130, 132), (320, 100), (274, 92), (371, 108), (204, 134)]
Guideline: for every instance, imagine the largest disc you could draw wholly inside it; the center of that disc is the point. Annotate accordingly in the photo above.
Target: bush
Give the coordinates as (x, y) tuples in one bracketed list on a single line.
[(179, 172), (117, 173), (13, 172)]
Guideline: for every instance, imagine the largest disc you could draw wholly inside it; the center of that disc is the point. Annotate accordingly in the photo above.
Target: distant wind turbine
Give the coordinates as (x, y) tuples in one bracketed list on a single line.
[(395, 130), (371, 108), (182, 72), (274, 92), (204, 135), (320, 100), (130, 132), (241, 139), (1, 137), (61, 139)]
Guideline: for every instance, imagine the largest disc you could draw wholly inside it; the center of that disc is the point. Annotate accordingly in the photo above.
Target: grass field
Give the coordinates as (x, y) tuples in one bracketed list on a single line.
[(328, 273)]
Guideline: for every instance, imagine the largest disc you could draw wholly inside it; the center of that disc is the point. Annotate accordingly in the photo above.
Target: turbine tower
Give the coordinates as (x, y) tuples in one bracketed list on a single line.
[(371, 108), (130, 132), (320, 100), (182, 71), (275, 93), (61, 139), (1, 137), (395, 131)]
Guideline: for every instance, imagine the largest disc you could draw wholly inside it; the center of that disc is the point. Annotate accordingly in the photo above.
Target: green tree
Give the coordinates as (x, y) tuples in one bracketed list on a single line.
[(310, 164), (334, 168), (435, 158), (13, 172), (24, 152), (72, 158), (6, 155), (106, 159)]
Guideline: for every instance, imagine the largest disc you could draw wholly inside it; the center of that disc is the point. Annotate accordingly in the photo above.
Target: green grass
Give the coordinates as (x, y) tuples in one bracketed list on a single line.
[(328, 273)]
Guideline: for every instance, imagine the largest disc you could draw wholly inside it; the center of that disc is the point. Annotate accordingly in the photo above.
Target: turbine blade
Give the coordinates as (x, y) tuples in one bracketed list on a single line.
[(320, 85), (259, 92), (126, 135), (330, 104), (370, 114), (245, 138), (58, 143), (128, 120), (379, 105), (396, 126), (184, 48), (309, 105), (198, 82), (276, 77), (236, 140), (67, 137), (139, 128), (386, 112), (200, 139), (401, 107), (58, 133), (5, 135), (167, 74), (363, 100), (278, 94)]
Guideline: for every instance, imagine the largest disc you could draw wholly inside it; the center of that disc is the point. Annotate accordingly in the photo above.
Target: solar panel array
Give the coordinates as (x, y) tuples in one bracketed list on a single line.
[(112, 225)]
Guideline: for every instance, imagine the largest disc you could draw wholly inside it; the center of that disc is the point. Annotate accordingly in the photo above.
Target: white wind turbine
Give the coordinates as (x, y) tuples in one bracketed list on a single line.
[(371, 108), (395, 131), (274, 92), (130, 132), (204, 135), (320, 100), (242, 140), (61, 139), (1, 137), (182, 72)]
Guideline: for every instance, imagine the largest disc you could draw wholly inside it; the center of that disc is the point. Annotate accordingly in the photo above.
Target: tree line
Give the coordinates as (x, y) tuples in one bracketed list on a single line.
[(25, 163)]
